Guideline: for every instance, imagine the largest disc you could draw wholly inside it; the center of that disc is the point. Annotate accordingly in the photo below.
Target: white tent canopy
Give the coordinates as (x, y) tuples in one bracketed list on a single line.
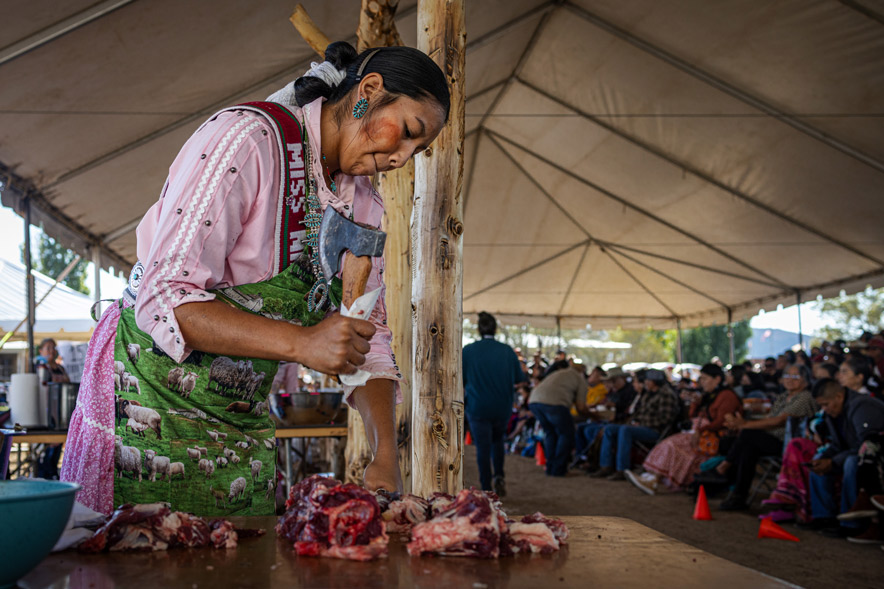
[(63, 314), (628, 162)]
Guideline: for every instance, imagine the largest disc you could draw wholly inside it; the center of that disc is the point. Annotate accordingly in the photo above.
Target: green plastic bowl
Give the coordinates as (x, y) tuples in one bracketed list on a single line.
[(33, 514)]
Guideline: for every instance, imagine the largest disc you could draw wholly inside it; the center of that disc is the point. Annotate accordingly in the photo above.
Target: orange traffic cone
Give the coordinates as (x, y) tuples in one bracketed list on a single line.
[(539, 456), (701, 510), (770, 529), (468, 441)]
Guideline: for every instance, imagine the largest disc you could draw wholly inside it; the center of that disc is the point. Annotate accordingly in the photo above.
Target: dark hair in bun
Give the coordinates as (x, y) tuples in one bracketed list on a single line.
[(406, 71)]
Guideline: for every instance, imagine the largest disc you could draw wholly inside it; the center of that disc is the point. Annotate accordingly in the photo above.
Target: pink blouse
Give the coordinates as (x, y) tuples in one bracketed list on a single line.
[(213, 226)]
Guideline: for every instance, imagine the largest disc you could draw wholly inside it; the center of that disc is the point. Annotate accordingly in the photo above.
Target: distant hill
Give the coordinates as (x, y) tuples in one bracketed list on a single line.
[(771, 342)]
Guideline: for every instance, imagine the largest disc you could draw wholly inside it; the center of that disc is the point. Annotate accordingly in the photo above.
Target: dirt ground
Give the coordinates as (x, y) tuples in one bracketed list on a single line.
[(815, 562)]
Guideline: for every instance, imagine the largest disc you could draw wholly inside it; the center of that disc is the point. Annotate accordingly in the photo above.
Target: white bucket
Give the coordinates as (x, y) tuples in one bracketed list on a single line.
[(24, 399)]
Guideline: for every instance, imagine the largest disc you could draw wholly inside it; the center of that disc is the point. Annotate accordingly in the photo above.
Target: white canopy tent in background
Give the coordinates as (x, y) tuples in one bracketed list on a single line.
[(628, 162), (63, 314)]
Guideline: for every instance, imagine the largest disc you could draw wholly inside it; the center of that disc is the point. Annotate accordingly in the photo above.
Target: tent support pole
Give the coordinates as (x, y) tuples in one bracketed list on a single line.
[(31, 294), (96, 261), (679, 350), (730, 336), (559, 333), (800, 329)]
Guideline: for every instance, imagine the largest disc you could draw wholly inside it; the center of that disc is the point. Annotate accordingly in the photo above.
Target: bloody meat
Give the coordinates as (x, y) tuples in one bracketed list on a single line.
[(154, 526), (405, 512), (326, 518), (471, 526), (474, 524)]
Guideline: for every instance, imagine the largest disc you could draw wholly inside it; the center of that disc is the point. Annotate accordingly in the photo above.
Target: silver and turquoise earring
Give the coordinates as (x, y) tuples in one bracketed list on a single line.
[(359, 108)]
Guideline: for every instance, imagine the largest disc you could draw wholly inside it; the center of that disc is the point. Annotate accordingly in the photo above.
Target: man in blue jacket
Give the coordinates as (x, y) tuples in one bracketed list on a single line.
[(491, 370), (851, 417)]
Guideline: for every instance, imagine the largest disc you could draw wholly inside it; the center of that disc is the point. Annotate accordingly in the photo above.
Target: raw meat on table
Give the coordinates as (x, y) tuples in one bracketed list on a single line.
[(327, 518), (402, 512), (558, 527), (154, 526), (474, 524), (471, 526)]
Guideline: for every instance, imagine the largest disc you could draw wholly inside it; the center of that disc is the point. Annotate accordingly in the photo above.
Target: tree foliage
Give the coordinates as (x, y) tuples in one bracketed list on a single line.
[(52, 258), (702, 344), (853, 314)]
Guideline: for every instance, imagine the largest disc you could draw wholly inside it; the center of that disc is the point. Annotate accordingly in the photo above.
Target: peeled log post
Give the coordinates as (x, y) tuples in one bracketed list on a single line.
[(376, 25), (378, 29), (437, 293), (397, 188)]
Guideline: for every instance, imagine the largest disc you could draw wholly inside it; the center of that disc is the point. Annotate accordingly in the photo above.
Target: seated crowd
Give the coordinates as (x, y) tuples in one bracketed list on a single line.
[(817, 420)]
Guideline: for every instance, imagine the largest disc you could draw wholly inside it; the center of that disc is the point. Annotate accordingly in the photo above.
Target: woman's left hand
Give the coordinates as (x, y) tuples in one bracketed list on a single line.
[(734, 421)]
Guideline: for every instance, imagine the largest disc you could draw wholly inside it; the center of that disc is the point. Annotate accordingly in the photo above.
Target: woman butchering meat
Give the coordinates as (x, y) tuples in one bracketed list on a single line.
[(172, 404)]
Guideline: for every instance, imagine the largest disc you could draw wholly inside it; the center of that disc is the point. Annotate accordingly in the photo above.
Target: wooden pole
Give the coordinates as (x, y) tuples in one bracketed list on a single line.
[(397, 188), (378, 29), (376, 25), (437, 292), (309, 31)]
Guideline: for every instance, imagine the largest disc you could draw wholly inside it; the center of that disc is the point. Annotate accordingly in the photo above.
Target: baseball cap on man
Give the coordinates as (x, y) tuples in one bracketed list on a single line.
[(655, 375), (614, 373)]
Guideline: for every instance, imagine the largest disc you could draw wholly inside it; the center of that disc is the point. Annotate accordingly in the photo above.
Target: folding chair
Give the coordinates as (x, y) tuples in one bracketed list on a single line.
[(771, 465)]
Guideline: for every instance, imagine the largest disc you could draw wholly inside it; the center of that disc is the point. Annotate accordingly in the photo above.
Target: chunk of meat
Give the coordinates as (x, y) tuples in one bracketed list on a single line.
[(439, 502), (471, 526), (404, 513), (535, 537), (558, 527), (326, 518), (154, 526)]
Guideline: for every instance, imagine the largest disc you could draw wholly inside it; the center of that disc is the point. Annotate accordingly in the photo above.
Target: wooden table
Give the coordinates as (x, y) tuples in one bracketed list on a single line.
[(286, 434), (305, 431), (603, 552)]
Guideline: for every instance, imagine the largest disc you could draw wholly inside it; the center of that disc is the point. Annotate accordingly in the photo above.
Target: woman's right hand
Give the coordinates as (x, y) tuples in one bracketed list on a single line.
[(337, 344), (695, 439)]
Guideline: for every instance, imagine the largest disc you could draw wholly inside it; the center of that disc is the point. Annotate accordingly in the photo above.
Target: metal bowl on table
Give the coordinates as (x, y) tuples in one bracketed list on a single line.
[(313, 408)]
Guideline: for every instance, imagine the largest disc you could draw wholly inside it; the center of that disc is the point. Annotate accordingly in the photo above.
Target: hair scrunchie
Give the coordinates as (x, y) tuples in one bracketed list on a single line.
[(325, 71)]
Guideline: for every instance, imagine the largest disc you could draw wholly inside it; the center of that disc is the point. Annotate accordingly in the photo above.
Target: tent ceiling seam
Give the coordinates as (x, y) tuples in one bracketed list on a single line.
[(527, 269), (639, 282), (520, 64), (635, 207), (469, 185), (702, 175), (618, 246), (671, 279), (864, 10), (503, 29), (725, 87), (58, 29), (538, 185), (574, 279), (229, 100)]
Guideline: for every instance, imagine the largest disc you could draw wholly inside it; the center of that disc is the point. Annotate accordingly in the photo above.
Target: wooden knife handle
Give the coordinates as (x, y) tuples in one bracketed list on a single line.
[(354, 277)]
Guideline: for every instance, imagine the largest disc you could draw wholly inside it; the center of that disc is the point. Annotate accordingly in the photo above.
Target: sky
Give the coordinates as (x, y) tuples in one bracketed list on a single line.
[(12, 236)]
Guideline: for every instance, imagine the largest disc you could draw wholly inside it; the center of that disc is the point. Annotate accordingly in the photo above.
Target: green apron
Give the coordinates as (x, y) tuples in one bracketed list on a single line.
[(203, 431)]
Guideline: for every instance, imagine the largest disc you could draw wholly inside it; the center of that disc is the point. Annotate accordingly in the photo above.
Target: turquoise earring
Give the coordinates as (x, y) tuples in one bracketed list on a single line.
[(359, 108)]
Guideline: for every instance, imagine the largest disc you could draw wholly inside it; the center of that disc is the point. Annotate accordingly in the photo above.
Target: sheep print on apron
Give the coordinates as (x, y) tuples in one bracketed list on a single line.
[(198, 434)]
